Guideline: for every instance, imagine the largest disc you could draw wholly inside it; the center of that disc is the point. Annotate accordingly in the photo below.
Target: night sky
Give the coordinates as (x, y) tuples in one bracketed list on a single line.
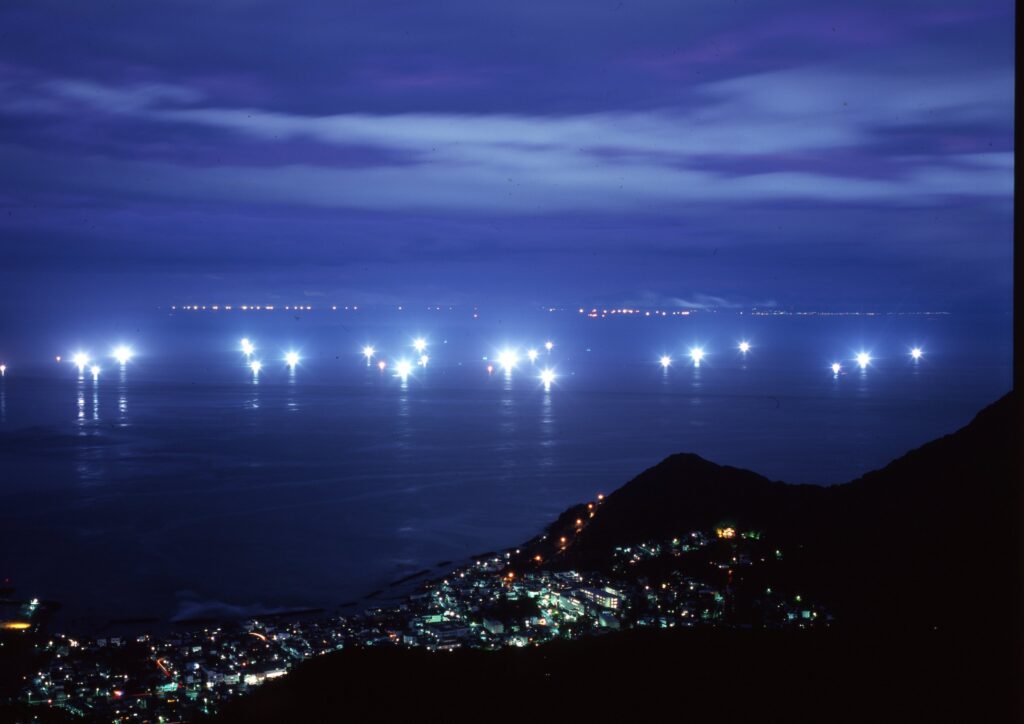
[(804, 154)]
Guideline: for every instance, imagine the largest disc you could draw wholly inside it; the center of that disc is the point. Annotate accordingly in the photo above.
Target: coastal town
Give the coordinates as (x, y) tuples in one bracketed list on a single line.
[(489, 603)]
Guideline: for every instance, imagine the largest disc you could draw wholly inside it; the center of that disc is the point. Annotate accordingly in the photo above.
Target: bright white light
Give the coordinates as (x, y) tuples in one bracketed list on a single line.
[(666, 361), (744, 347), (291, 359), (381, 365), (863, 359), (403, 368), (697, 354), (836, 367), (532, 354), (255, 366), (548, 345), (424, 359), (368, 352), (916, 353), (247, 347), (95, 369), (80, 360), (547, 376), (419, 344), (123, 355), (508, 359), (3, 370)]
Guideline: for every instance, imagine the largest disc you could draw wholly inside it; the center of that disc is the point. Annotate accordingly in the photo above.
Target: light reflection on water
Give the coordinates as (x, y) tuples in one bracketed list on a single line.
[(297, 509)]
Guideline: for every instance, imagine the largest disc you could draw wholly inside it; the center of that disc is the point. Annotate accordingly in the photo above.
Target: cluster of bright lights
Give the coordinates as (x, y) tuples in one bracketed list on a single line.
[(666, 361), (291, 359), (123, 355), (696, 354), (403, 368), (508, 359), (248, 348)]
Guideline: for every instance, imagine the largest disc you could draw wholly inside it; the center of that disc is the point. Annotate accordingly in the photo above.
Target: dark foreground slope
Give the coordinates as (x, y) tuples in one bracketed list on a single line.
[(917, 560)]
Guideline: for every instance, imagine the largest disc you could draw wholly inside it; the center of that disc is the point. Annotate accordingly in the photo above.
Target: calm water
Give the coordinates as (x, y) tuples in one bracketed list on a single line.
[(182, 486)]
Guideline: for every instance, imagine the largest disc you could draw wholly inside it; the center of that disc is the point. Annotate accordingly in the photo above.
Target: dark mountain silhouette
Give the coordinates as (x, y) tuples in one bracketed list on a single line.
[(918, 561), (904, 543)]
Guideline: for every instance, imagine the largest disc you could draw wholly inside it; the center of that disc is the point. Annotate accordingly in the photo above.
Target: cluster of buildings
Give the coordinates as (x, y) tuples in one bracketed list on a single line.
[(486, 604)]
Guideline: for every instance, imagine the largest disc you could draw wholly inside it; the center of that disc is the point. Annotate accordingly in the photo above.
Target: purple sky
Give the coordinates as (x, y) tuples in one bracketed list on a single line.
[(808, 154)]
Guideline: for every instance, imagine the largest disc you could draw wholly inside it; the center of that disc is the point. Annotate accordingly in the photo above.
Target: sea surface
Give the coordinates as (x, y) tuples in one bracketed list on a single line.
[(183, 486)]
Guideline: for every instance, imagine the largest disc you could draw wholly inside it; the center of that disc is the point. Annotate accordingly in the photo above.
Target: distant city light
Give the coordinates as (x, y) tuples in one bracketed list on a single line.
[(666, 361), (80, 360), (548, 345), (247, 347), (291, 359), (863, 359), (697, 354), (424, 359), (916, 353), (123, 355), (368, 352), (744, 347), (255, 366), (532, 354), (836, 367), (403, 368), (547, 376), (95, 370), (508, 359), (419, 344)]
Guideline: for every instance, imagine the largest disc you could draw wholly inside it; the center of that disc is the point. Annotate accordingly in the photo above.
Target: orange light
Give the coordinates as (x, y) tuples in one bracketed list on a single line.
[(725, 532), (15, 625), (579, 522), (538, 558), (600, 496)]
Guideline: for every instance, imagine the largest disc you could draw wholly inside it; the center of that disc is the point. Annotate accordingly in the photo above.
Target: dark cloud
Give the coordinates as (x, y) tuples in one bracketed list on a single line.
[(730, 151)]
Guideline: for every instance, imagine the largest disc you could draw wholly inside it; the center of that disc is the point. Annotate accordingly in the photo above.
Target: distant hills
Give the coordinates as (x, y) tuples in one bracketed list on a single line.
[(919, 562)]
